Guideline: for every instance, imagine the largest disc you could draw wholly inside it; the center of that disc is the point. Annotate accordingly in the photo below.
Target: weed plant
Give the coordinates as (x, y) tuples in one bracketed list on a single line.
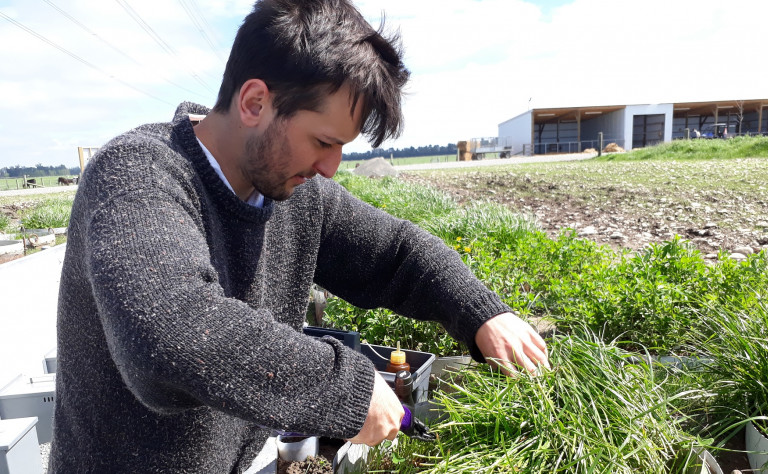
[(51, 212), (654, 298), (5, 223), (657, 298)]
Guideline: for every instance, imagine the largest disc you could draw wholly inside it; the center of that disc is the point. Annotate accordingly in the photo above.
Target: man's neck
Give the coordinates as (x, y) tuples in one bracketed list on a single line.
[(224, 151)]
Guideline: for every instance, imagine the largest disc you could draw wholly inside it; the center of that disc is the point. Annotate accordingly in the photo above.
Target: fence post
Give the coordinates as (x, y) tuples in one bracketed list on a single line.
[(687, 133), (599, 143)]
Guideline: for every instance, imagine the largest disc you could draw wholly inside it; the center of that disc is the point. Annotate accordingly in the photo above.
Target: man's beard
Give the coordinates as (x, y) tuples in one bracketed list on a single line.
[(266, 162)]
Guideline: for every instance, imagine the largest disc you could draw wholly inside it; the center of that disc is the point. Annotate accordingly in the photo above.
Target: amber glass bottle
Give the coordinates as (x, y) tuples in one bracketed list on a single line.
[(397, 361)]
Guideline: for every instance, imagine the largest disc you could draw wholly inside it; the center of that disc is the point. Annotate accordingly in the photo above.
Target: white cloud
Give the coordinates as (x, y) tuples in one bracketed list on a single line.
[(475, 63)]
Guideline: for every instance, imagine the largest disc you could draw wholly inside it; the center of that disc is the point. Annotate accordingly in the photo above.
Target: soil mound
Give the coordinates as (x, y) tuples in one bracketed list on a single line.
[(375, 168)]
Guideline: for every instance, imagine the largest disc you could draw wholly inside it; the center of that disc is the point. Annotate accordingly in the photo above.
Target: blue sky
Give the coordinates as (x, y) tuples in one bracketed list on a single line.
[(78, 72)]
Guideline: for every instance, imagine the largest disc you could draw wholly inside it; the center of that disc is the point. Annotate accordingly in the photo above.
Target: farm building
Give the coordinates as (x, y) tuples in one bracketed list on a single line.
[(575, 129)]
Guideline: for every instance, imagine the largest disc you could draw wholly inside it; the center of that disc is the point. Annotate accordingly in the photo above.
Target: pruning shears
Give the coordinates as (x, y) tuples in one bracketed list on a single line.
[(415, 428), (409, 425)]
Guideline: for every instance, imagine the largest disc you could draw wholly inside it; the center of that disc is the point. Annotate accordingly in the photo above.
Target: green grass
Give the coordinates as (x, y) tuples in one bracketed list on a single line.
[(651, 298), (737, 343), (50, 212), (600, 410), (416, 160), (700, 149)]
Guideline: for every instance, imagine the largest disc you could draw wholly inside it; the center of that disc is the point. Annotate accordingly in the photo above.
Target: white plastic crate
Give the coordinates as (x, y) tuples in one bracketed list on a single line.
[(28, 396), (50, 362), (19, 451)]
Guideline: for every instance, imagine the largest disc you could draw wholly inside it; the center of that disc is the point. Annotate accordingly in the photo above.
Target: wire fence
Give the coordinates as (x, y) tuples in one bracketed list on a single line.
[(34, 182)]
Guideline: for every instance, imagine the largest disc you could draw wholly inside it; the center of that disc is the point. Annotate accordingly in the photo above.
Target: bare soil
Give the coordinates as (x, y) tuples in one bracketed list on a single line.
[(717, 206)]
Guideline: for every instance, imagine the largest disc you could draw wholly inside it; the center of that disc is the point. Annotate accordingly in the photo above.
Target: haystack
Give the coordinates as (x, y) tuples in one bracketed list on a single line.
[(375, 168), (590, 151), (613, 148)]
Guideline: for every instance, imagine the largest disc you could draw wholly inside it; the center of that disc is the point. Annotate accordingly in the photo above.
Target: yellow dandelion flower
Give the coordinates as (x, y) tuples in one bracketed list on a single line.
[(458, 239), (467, 249)]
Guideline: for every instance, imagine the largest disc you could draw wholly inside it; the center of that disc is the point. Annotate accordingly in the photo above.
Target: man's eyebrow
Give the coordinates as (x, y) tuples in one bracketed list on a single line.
[(334, 140)]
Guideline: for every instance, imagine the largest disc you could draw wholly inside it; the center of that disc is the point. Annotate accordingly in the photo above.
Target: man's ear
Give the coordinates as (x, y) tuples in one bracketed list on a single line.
[(253, 101)]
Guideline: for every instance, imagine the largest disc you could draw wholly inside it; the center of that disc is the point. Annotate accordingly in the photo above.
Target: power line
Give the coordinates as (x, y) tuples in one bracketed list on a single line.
[(207, 25), (145, 26), (79, 59), (126, 55), (188, 9), (156, 37), (73, 20)]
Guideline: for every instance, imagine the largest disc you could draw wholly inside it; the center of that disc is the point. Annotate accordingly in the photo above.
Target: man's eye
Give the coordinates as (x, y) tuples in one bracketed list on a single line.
[(324, 144)]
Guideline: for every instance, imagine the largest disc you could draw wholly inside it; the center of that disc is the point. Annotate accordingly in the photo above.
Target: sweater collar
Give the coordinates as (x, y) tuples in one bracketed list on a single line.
[(184, 136)]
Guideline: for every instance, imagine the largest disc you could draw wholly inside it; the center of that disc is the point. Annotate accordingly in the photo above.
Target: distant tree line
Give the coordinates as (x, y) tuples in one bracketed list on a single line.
[(19, 171), (429, 150)]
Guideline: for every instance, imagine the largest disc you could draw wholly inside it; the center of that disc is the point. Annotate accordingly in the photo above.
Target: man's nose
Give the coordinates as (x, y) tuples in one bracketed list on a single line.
[(329, 162)]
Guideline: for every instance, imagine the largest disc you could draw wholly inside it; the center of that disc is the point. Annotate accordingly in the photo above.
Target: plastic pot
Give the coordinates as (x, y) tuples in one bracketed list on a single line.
[(757, 449), (297, 449)]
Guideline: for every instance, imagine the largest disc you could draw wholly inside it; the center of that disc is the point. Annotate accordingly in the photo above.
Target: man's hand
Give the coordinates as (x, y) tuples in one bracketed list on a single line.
[(384, 415), (513, 342)]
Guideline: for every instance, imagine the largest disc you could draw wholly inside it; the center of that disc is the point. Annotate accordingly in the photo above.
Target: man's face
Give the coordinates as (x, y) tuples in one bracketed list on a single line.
[(291, 151)]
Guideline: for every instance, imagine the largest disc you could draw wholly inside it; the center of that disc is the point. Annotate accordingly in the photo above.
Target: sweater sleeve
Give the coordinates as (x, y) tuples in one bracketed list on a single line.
[(373, 259), (180, 343)]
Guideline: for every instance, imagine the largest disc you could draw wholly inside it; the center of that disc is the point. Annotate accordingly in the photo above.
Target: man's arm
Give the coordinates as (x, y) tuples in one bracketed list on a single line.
[(179, 341), (372, 259)]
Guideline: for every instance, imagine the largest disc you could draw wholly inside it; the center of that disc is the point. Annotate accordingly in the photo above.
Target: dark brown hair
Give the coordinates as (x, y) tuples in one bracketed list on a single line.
[(305, 50)]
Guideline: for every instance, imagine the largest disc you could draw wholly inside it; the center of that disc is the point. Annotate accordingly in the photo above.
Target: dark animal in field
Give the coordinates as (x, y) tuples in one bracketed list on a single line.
[(66, 181), (30, 183)]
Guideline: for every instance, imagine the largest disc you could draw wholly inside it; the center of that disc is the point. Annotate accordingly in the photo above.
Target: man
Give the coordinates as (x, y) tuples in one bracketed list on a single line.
[(192, 251)]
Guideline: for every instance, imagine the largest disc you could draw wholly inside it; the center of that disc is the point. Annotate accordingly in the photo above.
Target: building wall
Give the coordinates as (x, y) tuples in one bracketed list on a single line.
[(611, 124), (651, 109), (516, 132)]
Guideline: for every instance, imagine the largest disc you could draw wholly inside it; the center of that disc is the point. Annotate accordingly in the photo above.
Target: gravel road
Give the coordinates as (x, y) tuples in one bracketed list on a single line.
[(32, 191), (496, 162)]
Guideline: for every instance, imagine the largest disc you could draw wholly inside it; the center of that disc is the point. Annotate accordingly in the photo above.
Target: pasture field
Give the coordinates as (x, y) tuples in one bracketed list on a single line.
[(417, 160), (18, 183)]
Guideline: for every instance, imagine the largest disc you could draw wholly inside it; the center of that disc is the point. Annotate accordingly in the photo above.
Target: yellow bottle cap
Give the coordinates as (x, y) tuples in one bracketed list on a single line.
[(397, 356)]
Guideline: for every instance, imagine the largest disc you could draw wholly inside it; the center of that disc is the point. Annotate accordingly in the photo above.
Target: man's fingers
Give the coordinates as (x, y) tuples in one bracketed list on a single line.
[(513, 343)]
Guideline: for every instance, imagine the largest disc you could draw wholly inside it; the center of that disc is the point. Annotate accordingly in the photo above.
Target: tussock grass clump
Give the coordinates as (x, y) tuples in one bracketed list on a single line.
[(737, 342), (51, 212), (482, 221), (406, 201), (600, 410)]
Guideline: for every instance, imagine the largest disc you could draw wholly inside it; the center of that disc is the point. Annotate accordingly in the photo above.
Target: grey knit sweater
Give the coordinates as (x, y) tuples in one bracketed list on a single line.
[(180, 309)]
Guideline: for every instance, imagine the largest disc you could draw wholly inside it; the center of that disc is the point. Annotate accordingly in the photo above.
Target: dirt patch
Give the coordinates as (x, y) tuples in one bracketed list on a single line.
[(628, 206)]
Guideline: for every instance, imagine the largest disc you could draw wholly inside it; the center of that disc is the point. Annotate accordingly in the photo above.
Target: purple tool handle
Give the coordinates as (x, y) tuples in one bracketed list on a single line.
[(405, 424)]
